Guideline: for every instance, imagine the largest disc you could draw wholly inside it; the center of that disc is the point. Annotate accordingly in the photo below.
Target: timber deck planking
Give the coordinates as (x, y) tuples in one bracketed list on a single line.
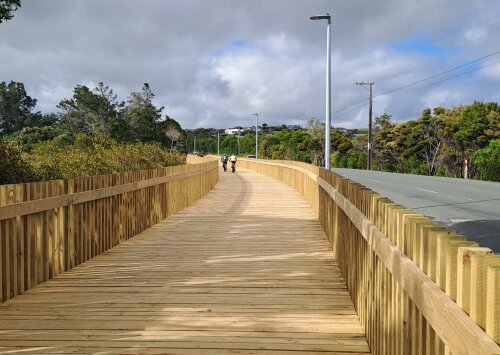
[(246, 269)]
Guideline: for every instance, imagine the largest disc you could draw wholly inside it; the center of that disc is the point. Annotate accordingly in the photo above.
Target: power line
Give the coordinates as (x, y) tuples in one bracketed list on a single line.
[(356, 104), (472, 29), (437, 75), (350, 106), (442, 40), (441, 81)]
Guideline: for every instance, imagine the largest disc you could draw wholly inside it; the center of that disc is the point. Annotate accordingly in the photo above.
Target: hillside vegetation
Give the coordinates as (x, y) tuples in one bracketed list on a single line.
[(93, 133), (437, 143)]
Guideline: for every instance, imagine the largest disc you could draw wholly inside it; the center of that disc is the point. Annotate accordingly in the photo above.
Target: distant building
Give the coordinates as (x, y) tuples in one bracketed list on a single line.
[(233, 130), (293, 127)]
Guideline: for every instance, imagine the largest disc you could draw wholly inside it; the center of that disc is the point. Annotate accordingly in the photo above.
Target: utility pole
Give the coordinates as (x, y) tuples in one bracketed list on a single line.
[(194, 145), (238, 141), (218, 143), (370, 146), (256, 135)]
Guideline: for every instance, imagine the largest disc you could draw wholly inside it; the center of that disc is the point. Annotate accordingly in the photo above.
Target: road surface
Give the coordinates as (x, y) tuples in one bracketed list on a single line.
[(469, 207)]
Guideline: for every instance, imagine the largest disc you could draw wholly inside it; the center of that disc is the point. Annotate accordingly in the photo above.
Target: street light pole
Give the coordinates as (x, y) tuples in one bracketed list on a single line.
[(256, 135), (238, 141), (370, 145), (328, 122), (218, 143)]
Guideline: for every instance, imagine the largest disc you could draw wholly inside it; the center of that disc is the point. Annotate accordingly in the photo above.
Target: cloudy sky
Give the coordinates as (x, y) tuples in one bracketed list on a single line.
[(212, 63)]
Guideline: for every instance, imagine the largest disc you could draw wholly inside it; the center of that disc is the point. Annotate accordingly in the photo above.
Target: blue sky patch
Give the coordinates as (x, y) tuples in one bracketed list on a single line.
[(237, 43), (234, 45), (421, 44)]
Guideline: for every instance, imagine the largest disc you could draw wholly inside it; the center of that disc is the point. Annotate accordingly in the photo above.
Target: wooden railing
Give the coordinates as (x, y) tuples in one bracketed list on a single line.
[(49, 227), (404, 271)]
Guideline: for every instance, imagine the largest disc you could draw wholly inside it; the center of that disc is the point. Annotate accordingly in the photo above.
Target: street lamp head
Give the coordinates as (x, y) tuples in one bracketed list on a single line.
[(322, 17)]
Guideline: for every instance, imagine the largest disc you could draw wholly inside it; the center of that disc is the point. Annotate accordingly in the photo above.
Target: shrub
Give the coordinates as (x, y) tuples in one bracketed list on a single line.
[(13, 168), (97, 155), (487, 161)]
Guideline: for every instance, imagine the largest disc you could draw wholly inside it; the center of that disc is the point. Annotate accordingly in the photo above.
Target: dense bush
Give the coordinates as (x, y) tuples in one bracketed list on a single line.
[(87, 156), (487, 161), (13, 168)]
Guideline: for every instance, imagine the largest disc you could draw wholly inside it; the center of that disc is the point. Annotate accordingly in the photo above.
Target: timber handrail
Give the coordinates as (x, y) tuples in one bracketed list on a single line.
[(51, 226), (460, 333), (49, 203)]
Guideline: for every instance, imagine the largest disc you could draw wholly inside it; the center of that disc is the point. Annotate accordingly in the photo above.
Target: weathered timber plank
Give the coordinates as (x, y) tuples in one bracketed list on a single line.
[(246, 269)]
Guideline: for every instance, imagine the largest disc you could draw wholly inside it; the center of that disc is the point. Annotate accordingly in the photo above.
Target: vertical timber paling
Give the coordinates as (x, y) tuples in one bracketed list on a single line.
[(394, 320), (35, 247), (385, 251)]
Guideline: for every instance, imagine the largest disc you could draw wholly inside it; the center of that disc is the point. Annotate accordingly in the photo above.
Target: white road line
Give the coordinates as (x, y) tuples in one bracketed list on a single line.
[(375, 180), (434, 192)]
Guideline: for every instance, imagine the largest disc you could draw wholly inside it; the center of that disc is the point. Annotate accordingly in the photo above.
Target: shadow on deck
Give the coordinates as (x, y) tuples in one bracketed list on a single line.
[(245, 269)]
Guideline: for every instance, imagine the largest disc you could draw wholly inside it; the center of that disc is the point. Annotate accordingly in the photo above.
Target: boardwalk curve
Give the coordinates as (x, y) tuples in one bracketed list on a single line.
[(246, 269)]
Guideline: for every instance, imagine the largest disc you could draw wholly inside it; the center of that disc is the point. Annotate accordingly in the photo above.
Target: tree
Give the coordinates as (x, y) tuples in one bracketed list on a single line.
[(383, 145), (487, 161), (7, 7), (142, 117), (16, 108), (464, 130), (172, 131), (316, 129), (229, 144), (13, 168), (90, 111), (427, 141)]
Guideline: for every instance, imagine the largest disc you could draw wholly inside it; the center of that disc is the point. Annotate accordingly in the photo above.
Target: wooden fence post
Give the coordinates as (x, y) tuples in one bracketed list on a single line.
[(464, 274), (479, 277), (493, 303)]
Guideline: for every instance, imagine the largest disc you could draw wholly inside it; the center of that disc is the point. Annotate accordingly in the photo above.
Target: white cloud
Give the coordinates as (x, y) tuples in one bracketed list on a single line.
[(216, 62), (492, 71)]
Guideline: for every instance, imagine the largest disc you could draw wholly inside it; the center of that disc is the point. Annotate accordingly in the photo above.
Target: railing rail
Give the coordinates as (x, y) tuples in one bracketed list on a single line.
[(390, 259), (52, 226)]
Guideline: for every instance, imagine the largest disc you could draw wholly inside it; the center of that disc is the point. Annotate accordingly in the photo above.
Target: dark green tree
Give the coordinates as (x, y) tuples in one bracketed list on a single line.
[(466, 129), (7, 7), (91, 111), (13, 169), (424, 141), (487, 161), (16, 108), (142, 118), (383, 150)]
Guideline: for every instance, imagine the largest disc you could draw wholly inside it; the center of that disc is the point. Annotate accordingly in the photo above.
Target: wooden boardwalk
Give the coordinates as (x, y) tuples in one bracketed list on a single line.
[(245, 270)]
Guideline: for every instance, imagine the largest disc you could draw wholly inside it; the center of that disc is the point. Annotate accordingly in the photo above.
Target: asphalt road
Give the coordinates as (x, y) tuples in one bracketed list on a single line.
[(470, 207)]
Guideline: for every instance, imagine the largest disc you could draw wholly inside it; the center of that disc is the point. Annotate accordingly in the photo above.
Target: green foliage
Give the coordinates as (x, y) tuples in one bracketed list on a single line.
[(487, 161), (90, 111), (229, 144), (358, 160), (13, 168), (437, 143), (96, 155), (142, 117), (7, 7), (16, 108)]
